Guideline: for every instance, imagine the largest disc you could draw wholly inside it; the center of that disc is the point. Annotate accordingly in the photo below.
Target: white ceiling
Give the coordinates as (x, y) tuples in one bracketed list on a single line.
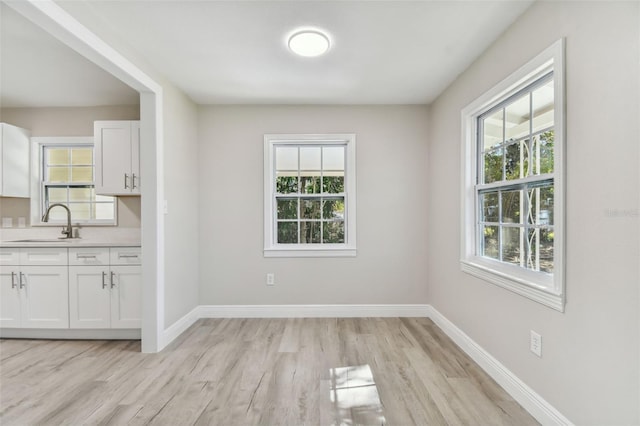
[(234, 52)]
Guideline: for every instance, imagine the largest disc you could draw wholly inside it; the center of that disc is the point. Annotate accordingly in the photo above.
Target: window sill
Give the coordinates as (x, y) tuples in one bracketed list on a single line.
[(310, 252), (522, 286)]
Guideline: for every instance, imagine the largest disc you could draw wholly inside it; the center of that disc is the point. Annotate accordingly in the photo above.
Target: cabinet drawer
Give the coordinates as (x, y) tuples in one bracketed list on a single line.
[(126, 256), (9, 256), (91, 256), (43, 256)]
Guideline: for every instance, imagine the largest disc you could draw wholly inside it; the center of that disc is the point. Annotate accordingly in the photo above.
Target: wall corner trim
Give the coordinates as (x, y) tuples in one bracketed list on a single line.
[(537, 406)]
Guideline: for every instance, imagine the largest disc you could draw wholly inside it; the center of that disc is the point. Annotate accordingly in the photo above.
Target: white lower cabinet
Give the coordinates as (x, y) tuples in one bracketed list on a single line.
[(103, 293), (34, 290)]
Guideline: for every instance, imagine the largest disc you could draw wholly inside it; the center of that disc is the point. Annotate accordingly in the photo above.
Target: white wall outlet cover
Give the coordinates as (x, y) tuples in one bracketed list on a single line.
[(7, 222), (22, 222), (535, 343)]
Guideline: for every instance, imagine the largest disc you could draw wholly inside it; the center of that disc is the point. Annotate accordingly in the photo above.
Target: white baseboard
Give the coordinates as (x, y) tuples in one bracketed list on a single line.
[(543, 412), (537, 406), (312, 311), (179, 327)]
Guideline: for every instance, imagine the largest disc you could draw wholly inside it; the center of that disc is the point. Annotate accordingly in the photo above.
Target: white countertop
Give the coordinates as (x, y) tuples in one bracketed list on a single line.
[(89, 237)]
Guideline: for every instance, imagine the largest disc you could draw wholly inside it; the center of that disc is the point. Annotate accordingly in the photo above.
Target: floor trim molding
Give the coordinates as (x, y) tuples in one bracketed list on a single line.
[(537, 406)]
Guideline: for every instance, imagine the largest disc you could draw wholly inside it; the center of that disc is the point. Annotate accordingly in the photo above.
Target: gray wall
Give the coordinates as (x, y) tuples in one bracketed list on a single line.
[(391, 207), (589, 368), (69, 121)]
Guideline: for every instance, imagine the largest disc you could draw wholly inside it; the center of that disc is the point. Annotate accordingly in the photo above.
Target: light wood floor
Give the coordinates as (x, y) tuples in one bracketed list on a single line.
[(256, 372)]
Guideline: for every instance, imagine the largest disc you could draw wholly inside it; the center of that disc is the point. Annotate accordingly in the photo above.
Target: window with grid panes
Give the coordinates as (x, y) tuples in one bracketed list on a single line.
[(67, 177), (513, 199), (309, 193)]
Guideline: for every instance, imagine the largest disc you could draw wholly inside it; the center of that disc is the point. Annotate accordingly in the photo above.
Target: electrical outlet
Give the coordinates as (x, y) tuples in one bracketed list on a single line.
[(271, 279), (535, 343)]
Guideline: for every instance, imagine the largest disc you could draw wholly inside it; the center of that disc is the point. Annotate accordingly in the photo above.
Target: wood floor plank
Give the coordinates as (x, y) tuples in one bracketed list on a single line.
[(316, 371)]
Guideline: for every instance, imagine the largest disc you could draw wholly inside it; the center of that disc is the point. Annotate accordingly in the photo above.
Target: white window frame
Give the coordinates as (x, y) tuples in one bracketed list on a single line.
[(37, 190), (547, 289), (271, 246)]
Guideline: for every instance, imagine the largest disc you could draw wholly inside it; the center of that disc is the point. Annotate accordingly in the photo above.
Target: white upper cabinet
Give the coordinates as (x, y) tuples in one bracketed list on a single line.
[(117, 151), (14, 164)]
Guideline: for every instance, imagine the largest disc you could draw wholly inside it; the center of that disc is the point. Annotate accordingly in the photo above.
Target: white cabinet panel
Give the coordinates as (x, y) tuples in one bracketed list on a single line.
[(117, 151), (90, 256), (126, 256), (14, 161), (9, 298), (9, 256), (89, 297), (44, 296), (126, 297), (41, 256)]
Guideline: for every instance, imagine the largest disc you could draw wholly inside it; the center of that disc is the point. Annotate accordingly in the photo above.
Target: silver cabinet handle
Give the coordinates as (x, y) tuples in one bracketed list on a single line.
[(126, 181), (13, 280), (104, 279), (85, 256), (113, 281), (133, 181), (128, 256), (23, 280)]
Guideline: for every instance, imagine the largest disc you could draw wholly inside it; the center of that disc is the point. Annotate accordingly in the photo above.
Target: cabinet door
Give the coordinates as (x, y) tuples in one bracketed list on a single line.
[(89, 297), (14, 161), (45, 297), (9, 298), (126, 297), (113, 157)]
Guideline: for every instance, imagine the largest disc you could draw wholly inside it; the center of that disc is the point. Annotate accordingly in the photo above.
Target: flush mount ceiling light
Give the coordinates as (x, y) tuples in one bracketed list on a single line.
[(309, 43)]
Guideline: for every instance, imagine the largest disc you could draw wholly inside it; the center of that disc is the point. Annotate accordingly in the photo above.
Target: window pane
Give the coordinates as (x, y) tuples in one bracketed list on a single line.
[(333, 184), (82, 156), (493, 166), (57, 156), (517, 118), (286, 158), (57, 195), (286, 183), (310, 182), (511, 244), (517, 160), (103, 198), (492, 128), (511, 206), (58, 174), (80, 211), (490, 207), (310, 158), (531, 262), (543, 114), (333, 232), (546, 250), (490, 246), (543, 153), (333, 208), (546, 205), (288, 232), (288, 208), (310, 208), (310, 232), (80, 194), (82, 174), (104, 211), (333, 158)]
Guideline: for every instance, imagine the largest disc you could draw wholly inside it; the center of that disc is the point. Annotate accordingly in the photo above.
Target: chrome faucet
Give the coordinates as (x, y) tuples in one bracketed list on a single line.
[(68, 231)]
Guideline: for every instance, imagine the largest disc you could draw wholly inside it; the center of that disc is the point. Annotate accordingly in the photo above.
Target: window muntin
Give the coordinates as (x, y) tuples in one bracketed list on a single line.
[(515, 182), (309, 195), (67, 177)]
